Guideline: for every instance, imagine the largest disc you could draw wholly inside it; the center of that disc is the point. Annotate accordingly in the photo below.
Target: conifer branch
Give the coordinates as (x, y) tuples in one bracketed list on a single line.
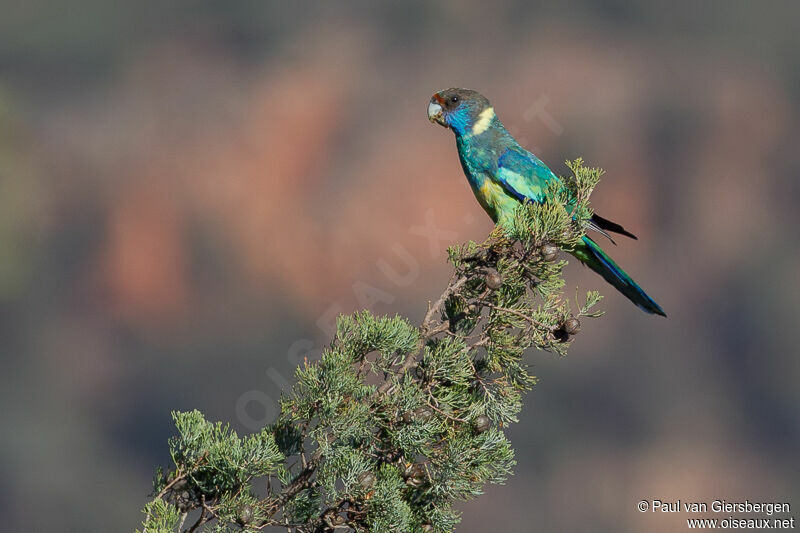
[(348, 454), (430, 327)]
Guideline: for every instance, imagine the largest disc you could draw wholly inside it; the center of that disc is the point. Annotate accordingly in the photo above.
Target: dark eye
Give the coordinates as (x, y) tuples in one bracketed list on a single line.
[(454, 100)]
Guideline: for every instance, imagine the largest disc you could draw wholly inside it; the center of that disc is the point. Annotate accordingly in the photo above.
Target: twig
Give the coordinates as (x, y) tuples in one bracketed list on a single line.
[(427, 329), (522, 315), (169, 486), (451, 417)]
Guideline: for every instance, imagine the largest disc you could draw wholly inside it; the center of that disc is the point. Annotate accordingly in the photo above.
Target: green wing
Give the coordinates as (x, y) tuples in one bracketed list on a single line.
[(523, 175), (526, 178)]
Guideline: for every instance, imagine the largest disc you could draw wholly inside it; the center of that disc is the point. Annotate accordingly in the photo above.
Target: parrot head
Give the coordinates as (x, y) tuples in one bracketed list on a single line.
[(462, 110)]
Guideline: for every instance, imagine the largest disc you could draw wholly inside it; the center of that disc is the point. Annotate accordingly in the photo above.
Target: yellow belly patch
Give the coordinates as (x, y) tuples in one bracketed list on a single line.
[(489, 196)]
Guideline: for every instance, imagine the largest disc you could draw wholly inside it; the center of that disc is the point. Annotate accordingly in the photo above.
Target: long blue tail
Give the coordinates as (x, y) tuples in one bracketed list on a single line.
[(595, 258)]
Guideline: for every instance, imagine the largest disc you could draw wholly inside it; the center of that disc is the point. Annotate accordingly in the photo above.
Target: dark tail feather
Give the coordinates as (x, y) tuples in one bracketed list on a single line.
[(604, 223), (596, 259)]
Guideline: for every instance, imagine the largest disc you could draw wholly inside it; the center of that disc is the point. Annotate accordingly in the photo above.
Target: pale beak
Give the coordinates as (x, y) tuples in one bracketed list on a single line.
[(435, 113)]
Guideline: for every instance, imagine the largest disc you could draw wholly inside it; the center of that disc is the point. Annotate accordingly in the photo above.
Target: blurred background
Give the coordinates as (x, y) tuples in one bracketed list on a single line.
[(191, 191)]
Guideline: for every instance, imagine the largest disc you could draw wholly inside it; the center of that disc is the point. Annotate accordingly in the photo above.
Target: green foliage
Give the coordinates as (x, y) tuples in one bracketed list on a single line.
[(388, 510), (215, 460), (160, 517), (395, 423), (362, 333)]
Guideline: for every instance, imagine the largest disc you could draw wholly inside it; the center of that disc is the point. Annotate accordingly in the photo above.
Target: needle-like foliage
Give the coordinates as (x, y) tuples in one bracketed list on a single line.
[(395, 423)]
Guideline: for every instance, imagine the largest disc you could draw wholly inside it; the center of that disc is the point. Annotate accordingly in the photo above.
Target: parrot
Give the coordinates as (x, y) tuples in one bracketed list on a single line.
[(503, 174)]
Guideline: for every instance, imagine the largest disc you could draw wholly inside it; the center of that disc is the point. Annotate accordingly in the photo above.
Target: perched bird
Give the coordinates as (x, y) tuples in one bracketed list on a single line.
[(502, 174)]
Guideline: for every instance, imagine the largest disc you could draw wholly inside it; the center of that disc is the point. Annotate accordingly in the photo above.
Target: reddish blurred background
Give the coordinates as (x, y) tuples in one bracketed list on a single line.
[(190, 191)]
